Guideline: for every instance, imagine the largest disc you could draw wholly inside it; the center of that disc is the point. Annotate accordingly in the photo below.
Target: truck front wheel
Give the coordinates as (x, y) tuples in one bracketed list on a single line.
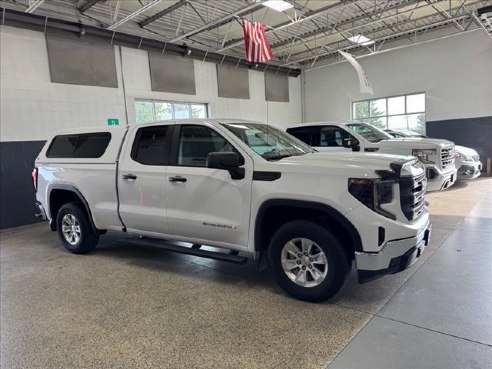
[(308, 261), (74, 229)]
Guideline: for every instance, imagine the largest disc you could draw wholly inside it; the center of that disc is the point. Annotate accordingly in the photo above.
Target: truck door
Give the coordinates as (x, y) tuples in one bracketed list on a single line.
[(141, 179), (205, 203)]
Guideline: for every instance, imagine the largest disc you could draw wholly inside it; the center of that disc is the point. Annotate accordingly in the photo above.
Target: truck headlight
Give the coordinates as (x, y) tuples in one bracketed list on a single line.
[(464, 157), (373, 192), (424, 154)]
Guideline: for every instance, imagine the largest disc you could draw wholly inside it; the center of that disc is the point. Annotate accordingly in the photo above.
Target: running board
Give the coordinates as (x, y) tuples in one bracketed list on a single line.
[(231, 257)]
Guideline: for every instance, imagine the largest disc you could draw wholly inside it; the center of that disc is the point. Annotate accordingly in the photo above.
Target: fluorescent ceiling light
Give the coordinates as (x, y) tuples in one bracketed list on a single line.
[(359, 39), (278, 5)]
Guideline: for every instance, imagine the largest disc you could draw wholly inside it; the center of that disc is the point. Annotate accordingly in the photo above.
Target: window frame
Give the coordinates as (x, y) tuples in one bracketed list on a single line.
[(349, 134), (386, 116), (108, 135), (293, 131), (174, 153), (167, 142), (173, 103)]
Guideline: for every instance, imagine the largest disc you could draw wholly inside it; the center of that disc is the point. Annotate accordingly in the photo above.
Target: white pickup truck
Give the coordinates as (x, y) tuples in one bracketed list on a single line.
[(241, 186), (436, 155)]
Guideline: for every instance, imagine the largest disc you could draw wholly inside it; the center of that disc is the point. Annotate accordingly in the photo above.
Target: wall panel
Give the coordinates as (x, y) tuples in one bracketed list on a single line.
[(81, 61), (233, 82), (172, 73)]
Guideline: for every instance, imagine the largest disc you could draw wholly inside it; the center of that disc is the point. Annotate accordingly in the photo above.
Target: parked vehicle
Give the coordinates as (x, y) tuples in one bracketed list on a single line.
[(467, 161), (436, 155), (240, 186)]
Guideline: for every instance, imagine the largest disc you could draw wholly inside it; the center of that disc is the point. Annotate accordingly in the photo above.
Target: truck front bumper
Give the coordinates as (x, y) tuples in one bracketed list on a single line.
[(394, 257), (437, 180), (469, 170)]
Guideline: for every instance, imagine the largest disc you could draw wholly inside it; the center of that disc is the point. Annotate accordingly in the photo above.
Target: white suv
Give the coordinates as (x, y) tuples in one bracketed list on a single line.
[(241, 186), (436, 155)]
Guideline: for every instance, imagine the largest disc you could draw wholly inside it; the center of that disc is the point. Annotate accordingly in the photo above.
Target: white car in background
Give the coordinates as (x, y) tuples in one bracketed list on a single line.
[(466, 160), (436, 155)]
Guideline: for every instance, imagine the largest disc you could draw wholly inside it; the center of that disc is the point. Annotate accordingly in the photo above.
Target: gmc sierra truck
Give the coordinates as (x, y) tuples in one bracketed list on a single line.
[(466, 160), (436, 155), (238, 188)]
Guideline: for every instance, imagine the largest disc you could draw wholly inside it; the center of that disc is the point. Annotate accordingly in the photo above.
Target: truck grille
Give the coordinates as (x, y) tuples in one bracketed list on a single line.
[(447, 156), (412, 190)]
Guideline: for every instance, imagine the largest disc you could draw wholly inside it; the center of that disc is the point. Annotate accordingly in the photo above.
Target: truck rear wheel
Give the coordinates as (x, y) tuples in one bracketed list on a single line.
[(308, 261), (75, 230)]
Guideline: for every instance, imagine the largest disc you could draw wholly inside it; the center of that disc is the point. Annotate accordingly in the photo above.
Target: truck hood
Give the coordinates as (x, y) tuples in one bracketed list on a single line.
[(414, 143), (465, 150), (353, 160)]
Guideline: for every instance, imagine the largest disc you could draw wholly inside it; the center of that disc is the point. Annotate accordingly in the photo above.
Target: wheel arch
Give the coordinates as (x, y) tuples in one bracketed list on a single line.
[(66, 193), (275, 212)]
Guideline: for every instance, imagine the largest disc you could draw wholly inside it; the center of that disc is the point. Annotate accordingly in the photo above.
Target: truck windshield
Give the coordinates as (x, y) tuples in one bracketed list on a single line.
[(269, 142), (370, 133)]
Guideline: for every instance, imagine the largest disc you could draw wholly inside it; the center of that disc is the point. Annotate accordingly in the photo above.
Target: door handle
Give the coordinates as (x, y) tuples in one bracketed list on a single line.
[(177, 179), (129, 177)]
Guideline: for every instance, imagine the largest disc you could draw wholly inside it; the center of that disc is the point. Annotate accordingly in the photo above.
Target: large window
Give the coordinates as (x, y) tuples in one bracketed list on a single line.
[(148, 111), (405, 112), (82, 145), (196, 142), (149, 147)]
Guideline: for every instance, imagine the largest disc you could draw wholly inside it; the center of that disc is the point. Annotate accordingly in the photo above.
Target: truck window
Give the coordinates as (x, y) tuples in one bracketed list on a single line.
[(150, 146), (332, 136), (302, 133), (196, 142), (84, 145)]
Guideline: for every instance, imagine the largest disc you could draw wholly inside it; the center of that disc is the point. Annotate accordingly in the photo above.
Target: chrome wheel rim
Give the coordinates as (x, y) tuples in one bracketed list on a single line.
[(71, 229), (304, 262)]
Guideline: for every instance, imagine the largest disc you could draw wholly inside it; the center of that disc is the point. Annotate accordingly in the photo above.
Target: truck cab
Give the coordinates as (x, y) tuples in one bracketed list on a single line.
[(436, 155)]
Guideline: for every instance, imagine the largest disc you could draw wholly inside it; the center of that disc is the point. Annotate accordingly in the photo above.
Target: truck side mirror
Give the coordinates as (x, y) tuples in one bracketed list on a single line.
[(228, 161), (351, 143)]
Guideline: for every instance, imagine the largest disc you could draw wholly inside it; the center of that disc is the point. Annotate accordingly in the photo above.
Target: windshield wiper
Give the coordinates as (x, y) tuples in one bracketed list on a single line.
[(276, 157)]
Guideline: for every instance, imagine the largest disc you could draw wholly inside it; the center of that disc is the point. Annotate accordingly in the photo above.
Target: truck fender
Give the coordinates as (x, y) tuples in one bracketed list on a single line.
[(305, 205), (81, 197)]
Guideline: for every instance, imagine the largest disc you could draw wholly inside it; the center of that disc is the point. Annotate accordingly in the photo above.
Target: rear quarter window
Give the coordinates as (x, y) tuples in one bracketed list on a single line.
[(84, 145), (302, 133)]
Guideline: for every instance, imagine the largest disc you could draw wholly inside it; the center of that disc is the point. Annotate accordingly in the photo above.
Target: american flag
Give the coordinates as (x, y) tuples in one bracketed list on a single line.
[(256, 42)]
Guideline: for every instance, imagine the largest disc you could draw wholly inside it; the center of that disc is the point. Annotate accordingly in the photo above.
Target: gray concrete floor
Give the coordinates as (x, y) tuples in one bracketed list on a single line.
[(128, 307)]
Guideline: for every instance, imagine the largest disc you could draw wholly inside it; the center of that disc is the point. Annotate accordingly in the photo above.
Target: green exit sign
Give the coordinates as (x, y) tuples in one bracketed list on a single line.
[(113, 122)]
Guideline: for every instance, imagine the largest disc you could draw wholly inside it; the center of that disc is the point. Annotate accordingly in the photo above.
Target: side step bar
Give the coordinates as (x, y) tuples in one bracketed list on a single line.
[(231, 257)]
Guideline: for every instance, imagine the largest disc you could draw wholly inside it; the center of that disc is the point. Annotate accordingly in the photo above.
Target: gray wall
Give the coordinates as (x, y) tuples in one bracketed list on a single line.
[(470, 132), (16, 189)]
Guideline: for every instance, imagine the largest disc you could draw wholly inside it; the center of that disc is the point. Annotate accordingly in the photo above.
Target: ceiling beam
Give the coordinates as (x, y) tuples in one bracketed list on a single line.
[(363, 26), (34, 5), (133, 15), (329, 28), (278, 27), (222, 20), (87, 5), (379, 39), (163, 13)]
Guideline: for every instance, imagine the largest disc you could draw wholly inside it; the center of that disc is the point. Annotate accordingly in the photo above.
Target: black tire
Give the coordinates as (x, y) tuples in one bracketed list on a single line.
[(88, 238), (337, 261)]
